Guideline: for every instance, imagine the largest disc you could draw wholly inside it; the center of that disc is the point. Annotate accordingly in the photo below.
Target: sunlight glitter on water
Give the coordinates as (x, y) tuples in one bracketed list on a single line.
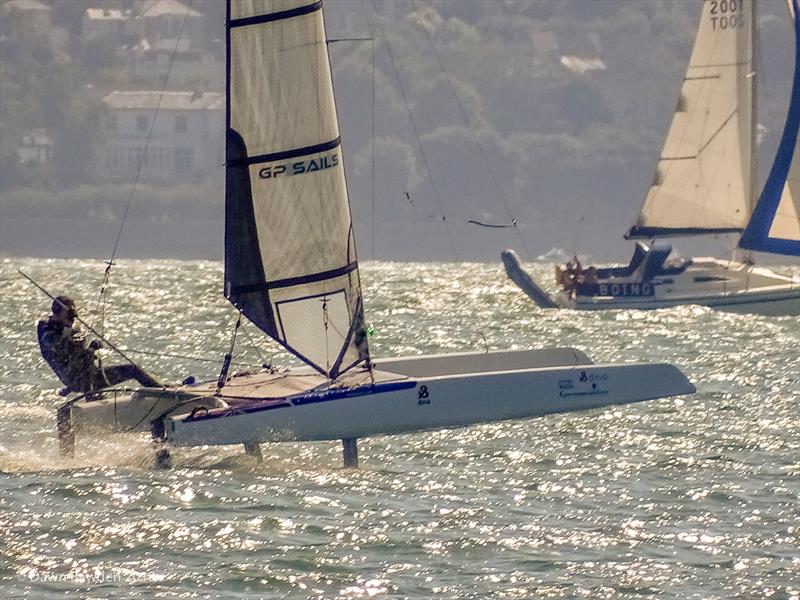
[(677, 497)]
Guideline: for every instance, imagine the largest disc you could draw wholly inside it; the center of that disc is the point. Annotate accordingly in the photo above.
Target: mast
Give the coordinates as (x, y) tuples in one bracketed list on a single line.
[(755, 62), (744, 255)]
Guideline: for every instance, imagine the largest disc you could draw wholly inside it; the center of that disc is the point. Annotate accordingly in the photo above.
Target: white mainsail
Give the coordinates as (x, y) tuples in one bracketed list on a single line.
[(290, 259), (703, 179)]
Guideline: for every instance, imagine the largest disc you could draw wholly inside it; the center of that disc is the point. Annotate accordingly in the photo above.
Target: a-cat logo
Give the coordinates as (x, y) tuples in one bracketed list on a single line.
[(300, 167)]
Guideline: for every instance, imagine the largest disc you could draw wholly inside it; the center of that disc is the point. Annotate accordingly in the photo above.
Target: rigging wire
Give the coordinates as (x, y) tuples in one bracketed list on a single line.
[(436, 194), (478, 145), (264, 362), (172, 355), (194, 358), (103, 296)]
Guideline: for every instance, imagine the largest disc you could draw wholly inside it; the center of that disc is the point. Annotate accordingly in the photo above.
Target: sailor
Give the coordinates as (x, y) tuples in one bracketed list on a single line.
[(64, 347), (589, 276), (571, 277)]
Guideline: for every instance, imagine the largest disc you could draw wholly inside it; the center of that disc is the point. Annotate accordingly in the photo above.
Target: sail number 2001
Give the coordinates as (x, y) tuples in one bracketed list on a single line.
[(726, 14)]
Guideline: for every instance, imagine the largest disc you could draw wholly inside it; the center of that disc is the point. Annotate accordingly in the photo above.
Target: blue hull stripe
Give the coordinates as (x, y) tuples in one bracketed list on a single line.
[(312, 398), (294, 153), (756, 235), (292, 281), (653, 232), (276, 16)]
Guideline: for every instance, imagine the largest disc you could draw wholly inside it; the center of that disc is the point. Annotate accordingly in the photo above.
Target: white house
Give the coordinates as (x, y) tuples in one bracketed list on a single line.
[(182, 131), (36, 147), (168, 25), (174, 42), (35, 12), (165, 41), (108, 22)]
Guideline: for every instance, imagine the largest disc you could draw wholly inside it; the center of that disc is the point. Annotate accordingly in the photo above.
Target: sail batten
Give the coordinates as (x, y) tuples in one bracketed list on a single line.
[(313, 277), (663, 232), (702, 181), (295, 153), (276, 16), (290, 260)]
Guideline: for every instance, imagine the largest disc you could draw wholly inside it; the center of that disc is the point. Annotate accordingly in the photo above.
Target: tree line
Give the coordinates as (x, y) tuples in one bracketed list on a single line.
[(53, 80)]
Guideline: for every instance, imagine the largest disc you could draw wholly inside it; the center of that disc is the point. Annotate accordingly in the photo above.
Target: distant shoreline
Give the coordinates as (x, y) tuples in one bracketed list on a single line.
[(200, 239), (187, 222), (109, 202), (193, 239)]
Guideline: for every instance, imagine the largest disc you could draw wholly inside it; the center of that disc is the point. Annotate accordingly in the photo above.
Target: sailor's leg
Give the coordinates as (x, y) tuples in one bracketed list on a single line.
[(350, 448), (146, 380), (253, 449), (66, 436), (162, 458), (119, 373)]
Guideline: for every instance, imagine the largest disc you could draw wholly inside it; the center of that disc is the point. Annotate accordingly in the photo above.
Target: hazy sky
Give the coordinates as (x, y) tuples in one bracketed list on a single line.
[(548, 112)]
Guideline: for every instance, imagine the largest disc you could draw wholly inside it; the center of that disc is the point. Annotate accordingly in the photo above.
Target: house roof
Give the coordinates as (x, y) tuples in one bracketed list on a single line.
[(106, 14), (148, 100), (163, 8), (34, 5)]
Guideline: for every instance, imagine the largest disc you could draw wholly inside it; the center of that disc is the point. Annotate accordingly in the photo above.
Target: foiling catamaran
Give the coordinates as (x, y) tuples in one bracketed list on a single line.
[(704, 185), (291, 269)]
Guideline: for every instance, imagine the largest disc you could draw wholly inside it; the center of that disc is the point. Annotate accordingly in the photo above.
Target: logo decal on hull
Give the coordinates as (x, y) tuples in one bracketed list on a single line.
[(625, 289), (588, 384), (424, 396)]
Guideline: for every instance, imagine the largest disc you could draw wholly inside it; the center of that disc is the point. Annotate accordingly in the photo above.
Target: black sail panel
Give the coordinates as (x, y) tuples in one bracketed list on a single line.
[(245, 283)]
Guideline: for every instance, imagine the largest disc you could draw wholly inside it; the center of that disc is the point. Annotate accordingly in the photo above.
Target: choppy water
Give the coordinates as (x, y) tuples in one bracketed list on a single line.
[(695, 497)]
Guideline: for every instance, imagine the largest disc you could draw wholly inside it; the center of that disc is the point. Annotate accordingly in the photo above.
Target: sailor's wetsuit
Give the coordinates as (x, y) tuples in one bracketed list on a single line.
[(65, 350)]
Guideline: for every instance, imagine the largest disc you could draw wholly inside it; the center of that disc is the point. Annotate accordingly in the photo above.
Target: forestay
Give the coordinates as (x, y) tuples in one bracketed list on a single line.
[(775, 225), (703, 180), (290, 258)]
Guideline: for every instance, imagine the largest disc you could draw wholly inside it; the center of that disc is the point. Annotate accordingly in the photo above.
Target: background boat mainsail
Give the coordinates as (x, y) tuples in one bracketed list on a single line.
[(703, 180), (775, 225), (290, 259)]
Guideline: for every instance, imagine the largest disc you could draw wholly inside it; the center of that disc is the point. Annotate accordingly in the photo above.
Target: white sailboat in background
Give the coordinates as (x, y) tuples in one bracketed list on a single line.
[(704, 185), (291, 268)]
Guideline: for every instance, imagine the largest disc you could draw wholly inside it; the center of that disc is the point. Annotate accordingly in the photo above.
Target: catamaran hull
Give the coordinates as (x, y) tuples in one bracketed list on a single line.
[(132, 411), (433, 403), (398, 395)]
